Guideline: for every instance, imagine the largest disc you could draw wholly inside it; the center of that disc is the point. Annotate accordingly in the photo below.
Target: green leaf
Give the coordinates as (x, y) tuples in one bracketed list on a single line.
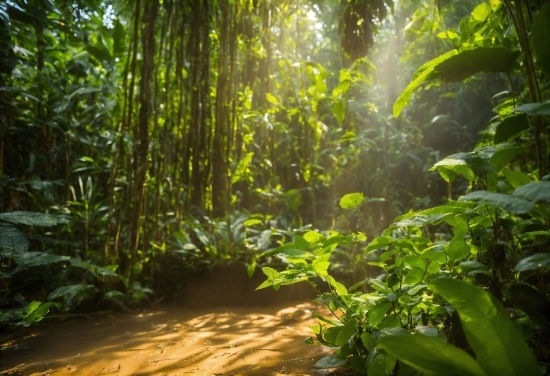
[(540, 31), (458, 249), (414, 276), (12, 240), (68, 292), (470, 62), (351, 200), (339, 109), (94, 269), (534, 262), (481, 12), (511, 127), (118, 38), (338, 287), (420, 76), (377, 366), (368, 341), (510, 203), (515, 178), (99, 53), (430, 356), (498, 345), (377, 243), (313, 237), (272, 99), (502, 154), (377, 313), (31, 218), (535, 109), (31, 259), (251, 222), (330, 361), (347, 137), (538, 191), (466, 164), (270, 272), (34, 313), (345, 334)]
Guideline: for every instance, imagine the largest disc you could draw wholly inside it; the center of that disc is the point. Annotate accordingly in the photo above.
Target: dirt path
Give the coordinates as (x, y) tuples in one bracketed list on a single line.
[(217, 327)]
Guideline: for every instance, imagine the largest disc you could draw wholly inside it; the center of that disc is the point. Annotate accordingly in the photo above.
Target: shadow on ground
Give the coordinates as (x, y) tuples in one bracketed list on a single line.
[(218, 326)]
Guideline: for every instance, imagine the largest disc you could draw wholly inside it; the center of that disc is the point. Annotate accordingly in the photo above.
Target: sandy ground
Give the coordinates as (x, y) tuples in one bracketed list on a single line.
[(219, 326)]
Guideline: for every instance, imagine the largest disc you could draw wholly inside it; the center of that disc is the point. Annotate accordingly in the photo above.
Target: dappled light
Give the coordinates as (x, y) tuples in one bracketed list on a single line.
[(275, 187), (172, 340)]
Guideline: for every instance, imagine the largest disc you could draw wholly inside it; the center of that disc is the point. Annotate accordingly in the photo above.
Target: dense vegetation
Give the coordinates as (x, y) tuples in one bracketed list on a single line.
[(142, 141)]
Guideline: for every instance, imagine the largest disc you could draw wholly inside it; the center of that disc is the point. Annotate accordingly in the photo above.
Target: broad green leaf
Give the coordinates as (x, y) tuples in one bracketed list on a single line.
[(420, 76), (414, 276), (272, 99), (377, 313), (99, 53), (114, 294), (535, 109), (430, 356), (502, 154), (340, 288), (378, 366), (436, 253), (313, 237), (534, 262), (12, 240), (368, 341), (414, 261), (351, 200), (35, 312), (540, 31), (510, 203), (466, 164), (498, 345), (94, 269), (515, 178), (118, 38), (538, 191), (30, 259), (481, 12), (341, 89), (377, 243), (339, 109), (470, 62), (446, 173), (251, 222), (68, 292), (458, 249), (433, 268), (347, 136), (471, 266), (31, 218), (330, 361), (345, 334), (511, 127), (270, 272)]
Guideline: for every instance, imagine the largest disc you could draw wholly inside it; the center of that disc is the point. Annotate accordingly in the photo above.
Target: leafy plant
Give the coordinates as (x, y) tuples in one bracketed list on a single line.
[(34, 313)]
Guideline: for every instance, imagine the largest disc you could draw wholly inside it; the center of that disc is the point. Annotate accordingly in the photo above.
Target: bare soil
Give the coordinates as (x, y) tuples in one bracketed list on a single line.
[(217, 326)]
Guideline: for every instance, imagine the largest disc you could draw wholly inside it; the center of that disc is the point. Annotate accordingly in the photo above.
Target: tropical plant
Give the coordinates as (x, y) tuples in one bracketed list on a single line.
[(495, 236)]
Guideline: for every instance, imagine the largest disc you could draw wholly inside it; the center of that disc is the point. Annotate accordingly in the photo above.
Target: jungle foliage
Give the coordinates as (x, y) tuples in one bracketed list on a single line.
[(141, 141), (463, 287)]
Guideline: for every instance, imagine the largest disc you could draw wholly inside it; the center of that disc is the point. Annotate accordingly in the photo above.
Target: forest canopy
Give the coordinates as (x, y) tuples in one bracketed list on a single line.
[(402, 142)]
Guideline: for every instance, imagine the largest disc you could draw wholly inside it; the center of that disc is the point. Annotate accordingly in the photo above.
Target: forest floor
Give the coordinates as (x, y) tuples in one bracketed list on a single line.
[(217, 326)]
